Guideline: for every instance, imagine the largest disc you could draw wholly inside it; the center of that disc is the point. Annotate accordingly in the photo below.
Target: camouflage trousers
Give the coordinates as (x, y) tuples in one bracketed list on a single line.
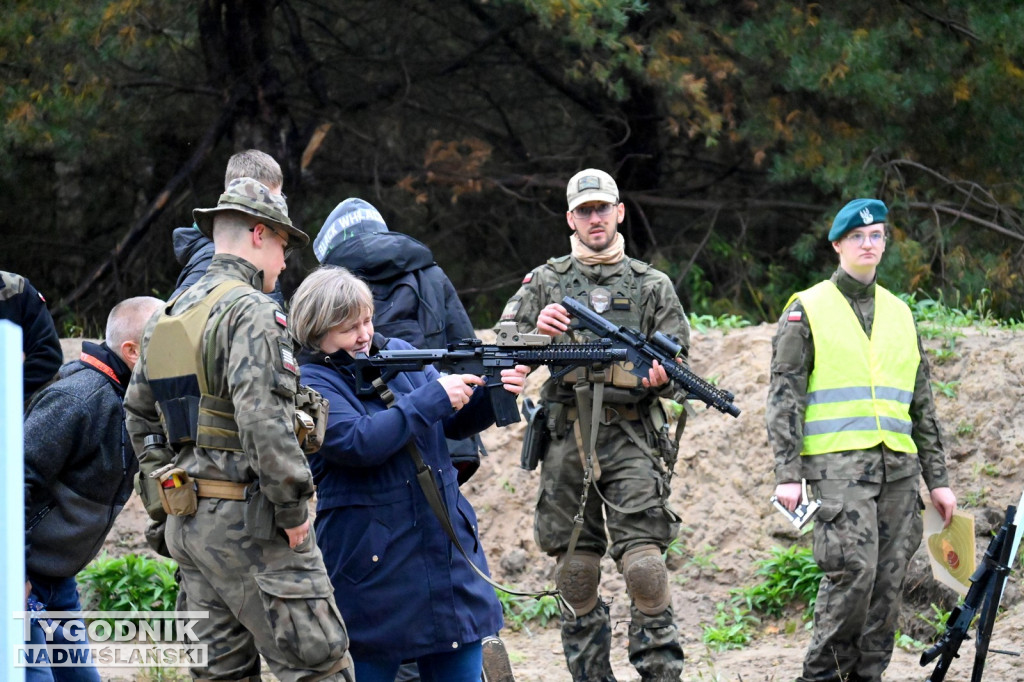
[(630, 479), (262, 597), (864, 537), (654, 648)]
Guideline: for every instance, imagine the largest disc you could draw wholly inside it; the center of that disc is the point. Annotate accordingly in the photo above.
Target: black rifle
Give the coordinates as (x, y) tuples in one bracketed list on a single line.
[(643, 351), (473, 356), (983, 596)]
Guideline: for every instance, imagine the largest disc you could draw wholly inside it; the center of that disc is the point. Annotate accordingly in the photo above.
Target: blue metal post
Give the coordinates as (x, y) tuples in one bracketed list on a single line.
[(12, 501)]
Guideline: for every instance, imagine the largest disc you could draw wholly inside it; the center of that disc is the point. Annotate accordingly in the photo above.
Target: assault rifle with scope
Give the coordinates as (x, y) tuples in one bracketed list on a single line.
[(473, 356), (642, 351)]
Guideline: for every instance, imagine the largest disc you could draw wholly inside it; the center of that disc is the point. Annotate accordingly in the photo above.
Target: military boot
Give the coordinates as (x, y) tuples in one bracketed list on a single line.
[(587, 643), (654, 648)]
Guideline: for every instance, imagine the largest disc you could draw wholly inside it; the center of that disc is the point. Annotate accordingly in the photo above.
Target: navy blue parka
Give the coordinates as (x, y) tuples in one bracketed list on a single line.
[(403, 589)]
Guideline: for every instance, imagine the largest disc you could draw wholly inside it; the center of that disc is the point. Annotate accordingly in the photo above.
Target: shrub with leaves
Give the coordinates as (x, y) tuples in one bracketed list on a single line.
[(128, 583), (519, 610), (789, 575)]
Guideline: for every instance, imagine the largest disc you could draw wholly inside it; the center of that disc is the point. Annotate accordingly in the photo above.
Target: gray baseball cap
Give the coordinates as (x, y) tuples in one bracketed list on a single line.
[(591, 184)]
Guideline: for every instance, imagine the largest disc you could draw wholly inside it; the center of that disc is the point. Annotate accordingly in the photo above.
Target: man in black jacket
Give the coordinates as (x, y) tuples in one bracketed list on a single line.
[(78, 471), (194, 250), (24, 306), (413, 299)]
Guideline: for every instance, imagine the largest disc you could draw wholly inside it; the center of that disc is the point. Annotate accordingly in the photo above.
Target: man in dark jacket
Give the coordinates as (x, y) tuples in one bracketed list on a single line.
[(413, 298), (24, 306), (78, 473), (193, 250)]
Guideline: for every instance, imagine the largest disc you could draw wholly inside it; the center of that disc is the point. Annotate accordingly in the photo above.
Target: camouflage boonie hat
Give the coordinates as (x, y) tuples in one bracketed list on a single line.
[(250, 196)]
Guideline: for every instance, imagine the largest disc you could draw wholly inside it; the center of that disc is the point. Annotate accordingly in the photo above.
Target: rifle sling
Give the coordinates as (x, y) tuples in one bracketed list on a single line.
[(425, 478)]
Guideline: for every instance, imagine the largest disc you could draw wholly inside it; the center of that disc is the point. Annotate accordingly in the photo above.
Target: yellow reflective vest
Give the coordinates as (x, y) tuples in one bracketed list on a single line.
[(859, 391)]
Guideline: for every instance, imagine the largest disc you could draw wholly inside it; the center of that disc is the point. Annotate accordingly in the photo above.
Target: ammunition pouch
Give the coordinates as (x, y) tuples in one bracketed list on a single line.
[(259, 513), (177, 490), (537, 435), (217, 429), (180, 419), (310, 419), (155, 455)]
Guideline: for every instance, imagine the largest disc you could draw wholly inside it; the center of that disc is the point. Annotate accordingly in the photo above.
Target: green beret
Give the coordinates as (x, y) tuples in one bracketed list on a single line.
[(857, 213)]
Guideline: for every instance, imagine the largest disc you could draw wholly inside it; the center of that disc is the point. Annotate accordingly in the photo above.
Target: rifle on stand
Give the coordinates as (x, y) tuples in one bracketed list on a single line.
[(982, 600)]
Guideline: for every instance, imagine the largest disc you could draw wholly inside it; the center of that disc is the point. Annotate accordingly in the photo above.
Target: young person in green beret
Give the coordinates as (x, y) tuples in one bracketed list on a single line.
[(850, 410)]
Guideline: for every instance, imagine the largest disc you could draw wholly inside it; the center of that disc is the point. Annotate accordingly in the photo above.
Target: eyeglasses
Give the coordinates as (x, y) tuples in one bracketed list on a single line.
[(858, 238), (288, 250), (602, 211)]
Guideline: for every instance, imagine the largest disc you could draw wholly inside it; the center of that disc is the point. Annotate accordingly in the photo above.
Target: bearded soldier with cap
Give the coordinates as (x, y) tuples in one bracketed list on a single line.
[(210, 411), (850, 410), (629, 471)]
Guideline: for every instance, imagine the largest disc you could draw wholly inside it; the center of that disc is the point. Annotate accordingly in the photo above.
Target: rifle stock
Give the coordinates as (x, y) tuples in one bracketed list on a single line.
[(473, 356), (642, 351)]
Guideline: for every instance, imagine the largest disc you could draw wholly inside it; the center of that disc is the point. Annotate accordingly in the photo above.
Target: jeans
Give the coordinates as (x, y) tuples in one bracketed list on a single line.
[(60, 594), (462, 665)]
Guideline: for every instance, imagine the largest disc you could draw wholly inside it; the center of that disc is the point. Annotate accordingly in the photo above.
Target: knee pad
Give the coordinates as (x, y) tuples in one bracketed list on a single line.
[(577, 579), (646, 579)]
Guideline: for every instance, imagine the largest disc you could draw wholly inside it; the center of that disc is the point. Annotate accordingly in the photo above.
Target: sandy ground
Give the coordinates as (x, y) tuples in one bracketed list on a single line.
[(721, 489)]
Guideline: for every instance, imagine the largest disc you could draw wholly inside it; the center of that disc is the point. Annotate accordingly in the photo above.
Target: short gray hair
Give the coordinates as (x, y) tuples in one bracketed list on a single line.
[(329, 296), (127, 320)]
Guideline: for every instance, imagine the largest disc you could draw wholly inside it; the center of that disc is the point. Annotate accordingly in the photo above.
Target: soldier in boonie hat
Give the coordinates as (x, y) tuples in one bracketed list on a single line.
[(250, 196), (857, 213)]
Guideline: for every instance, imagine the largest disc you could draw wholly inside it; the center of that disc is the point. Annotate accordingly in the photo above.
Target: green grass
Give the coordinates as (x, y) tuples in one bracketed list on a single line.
[(789, 576), (946, 388), (732, 629), (724, 323)]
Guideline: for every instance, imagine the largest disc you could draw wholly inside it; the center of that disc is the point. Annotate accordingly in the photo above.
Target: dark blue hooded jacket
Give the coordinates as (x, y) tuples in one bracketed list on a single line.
[(401, 586)]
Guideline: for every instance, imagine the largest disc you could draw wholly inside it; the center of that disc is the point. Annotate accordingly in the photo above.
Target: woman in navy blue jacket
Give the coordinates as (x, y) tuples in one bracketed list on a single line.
[(404, 590)]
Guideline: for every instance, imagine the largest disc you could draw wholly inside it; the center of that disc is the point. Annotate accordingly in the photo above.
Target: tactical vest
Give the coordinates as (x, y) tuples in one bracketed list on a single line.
[(859, 392), (617, 302), (177, 357)]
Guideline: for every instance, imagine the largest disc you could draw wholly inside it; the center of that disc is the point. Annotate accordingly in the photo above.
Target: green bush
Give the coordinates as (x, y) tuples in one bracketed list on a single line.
[(789, 575), (520, 610), (128, 583)]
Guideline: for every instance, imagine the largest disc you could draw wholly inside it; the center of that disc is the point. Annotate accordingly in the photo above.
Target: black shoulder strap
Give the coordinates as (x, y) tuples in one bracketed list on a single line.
[(425, 477)]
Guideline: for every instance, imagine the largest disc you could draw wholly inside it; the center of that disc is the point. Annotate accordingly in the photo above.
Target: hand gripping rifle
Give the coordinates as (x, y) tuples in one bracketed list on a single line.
[(642, 351), (982, 598), (473, 356)]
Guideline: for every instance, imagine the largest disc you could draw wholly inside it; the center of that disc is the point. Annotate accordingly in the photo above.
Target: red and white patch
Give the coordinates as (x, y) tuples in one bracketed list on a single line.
[(795, 316), (288, 360), (281, 319), (528, 278), (41, 297)]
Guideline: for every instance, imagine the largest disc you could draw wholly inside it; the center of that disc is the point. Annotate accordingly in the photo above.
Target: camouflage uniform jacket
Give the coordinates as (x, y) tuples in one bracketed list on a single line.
[(659, 310), (23, 305), (792, 362), (254, 367)]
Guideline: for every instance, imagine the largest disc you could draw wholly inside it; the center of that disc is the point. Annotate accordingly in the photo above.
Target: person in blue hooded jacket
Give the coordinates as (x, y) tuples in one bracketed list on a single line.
[(413, 298), (403, 589)]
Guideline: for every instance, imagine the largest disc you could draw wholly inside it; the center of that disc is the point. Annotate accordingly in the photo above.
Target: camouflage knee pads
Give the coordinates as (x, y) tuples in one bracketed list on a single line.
[(646, 579), (578, 579)]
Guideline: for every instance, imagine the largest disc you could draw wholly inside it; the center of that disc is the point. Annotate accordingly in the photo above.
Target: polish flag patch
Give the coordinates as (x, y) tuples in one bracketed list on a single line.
[(795, 316), (281, 319), (528, 278)]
